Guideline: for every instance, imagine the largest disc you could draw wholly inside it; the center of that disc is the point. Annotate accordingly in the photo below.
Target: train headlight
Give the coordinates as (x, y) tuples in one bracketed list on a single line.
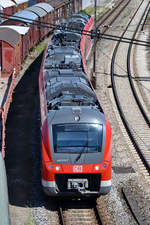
[(57, 168), (54, 167), (96, 168), (77, 118)]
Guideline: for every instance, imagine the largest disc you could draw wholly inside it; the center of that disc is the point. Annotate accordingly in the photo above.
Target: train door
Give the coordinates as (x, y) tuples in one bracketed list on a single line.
[(7, 59)]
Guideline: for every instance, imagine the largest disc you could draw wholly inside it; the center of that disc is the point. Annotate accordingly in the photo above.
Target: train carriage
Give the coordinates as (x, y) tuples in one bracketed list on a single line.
[(76, 135), (49, 17), (23, 32), (7, 7), (10, 51), (39, 13), (26, 18), (42, 19)]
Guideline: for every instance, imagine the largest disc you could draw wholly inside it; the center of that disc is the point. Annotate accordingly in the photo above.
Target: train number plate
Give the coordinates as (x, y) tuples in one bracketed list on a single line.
[(77, 184), (77, 169)]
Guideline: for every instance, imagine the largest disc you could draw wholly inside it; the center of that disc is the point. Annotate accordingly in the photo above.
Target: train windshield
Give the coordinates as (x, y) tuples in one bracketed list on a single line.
[(76, 138)]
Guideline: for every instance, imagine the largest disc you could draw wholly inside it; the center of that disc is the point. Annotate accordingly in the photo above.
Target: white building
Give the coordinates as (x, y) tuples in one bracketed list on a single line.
[(103, 3), (86, 3)]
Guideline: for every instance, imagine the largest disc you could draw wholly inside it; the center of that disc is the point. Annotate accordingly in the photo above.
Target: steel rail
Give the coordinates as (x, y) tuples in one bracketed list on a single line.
[(107, 15), (145, 20), (126, 124), (129, 72), (132, 204), (60, 213), (97, 214), (78, 205)]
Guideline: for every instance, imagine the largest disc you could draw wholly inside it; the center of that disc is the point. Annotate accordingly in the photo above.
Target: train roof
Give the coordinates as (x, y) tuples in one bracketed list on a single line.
[(81, 15), (19, 29), (56, 3), (69, 92), (20, 1), (61, 50), (39, 11), (6, 4), (47, 7), (25, 16), (9, 35), (68, 87), (65, 38), (48, 74), (74, 25), (86, 114), (62, 56), (63, 74), (76, 20)]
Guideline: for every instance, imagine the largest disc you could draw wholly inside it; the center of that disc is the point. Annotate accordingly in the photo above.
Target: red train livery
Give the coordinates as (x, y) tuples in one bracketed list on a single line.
[(76, 135)]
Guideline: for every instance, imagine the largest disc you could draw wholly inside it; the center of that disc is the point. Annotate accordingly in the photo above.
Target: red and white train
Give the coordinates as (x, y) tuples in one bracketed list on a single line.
[(76, 135)]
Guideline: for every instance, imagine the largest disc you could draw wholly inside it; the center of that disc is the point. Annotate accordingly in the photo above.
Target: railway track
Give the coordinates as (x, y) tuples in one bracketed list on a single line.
[(132, 200), (70, 213), (127, 96), (106, 20), (132, 204), (79, 212)]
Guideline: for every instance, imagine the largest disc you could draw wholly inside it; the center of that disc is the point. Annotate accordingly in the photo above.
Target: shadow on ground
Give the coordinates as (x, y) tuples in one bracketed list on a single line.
[(22, 135)]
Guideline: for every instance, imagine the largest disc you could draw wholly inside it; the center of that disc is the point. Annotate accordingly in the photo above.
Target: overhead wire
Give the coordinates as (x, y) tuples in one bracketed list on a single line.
[(78, 31), (91, 33), (63, 27)]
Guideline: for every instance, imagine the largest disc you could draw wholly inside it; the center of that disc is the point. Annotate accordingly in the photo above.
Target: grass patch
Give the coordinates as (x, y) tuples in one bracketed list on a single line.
[(38, 48), (90, 10), (30, 221)]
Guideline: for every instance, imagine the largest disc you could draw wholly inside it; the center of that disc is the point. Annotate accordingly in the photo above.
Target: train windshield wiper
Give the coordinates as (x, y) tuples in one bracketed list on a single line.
[(83, 151)]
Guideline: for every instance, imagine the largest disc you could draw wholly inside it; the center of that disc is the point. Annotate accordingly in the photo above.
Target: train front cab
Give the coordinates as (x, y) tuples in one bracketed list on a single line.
[(77, 180)]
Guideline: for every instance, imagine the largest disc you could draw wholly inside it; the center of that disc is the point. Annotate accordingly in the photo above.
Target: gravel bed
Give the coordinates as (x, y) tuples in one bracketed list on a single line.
[(113, 206)]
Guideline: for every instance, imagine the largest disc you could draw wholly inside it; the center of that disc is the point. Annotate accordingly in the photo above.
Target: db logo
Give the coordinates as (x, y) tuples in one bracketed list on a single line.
[(77, 169)]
